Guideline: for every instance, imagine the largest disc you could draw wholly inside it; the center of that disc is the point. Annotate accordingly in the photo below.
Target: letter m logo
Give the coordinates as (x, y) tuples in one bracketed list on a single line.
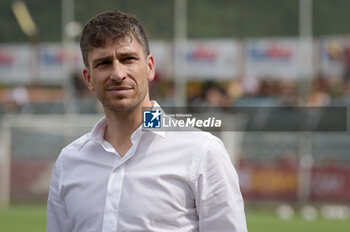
[(151, 119)]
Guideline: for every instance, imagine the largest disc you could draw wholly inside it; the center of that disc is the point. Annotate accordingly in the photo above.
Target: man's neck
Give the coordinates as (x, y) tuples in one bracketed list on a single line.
[(121, 125)]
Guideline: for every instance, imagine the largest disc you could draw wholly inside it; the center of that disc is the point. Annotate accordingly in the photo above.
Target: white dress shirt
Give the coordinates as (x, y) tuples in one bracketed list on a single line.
[(167, 181)]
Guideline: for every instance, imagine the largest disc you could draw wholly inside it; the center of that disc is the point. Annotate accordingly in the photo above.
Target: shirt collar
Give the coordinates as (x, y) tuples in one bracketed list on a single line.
[(97, 132)]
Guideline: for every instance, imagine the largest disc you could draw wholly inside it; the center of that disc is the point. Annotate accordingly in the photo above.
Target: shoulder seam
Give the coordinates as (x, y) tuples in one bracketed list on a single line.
[(60, 173), (199, 159)]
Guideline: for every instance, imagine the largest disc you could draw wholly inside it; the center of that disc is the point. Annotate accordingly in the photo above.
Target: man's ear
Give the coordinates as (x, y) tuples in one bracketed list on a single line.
[(87, 78), (151, 67)]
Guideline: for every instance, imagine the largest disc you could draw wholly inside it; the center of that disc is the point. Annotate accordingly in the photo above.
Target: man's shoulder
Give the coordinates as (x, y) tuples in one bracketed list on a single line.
[(76, 144)]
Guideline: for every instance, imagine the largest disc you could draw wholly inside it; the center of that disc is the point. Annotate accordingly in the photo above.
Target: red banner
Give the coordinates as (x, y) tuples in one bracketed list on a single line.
[(268, 181), (279, 182), (330, 183)]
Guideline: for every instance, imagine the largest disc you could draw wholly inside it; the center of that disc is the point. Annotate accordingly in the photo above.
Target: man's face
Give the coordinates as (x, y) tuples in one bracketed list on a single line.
[(119, 73)]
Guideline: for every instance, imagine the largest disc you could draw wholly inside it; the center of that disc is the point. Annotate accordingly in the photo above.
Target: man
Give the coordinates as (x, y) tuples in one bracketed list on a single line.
[(120, 177)]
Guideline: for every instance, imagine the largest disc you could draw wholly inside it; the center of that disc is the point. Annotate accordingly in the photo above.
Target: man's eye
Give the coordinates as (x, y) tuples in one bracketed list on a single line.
[(129, 59), (103, 63)]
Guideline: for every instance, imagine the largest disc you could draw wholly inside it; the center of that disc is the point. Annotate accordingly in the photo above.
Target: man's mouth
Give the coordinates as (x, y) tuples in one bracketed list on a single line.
[(118, 89)]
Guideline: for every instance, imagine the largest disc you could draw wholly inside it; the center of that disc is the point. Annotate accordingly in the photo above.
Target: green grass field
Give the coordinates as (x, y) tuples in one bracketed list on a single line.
[(33, 219), (269, 222), (29, 218)]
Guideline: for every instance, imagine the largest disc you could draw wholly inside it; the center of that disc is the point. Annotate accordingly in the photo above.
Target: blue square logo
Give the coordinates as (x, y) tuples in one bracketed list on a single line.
[(152, 119)]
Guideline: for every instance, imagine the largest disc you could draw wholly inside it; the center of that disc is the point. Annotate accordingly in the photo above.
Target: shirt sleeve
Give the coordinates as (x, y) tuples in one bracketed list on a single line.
[(219, 202), (57, 218)]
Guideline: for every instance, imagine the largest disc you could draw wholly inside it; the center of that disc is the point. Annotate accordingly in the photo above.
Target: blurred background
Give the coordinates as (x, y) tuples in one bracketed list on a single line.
[(207, 53)]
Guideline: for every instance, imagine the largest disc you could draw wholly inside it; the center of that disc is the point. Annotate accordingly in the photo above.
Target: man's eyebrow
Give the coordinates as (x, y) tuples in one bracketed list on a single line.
[(104, 58), (125, 54), (98, 60)]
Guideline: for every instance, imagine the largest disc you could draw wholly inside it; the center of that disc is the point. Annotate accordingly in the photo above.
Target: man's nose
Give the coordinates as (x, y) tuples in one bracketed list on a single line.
[(118, 72)]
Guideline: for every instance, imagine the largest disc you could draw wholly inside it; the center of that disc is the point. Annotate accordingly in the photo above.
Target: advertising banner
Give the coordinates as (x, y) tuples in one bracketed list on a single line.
[(15, 63), (335, 56), (268, 181), (205, 59), (272, 58), (280, 182), (55, 65), (212, 59), (25, 64), (330, 183)]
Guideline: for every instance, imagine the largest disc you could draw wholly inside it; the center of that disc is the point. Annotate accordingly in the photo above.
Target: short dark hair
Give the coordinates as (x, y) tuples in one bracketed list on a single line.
[(115, 25)]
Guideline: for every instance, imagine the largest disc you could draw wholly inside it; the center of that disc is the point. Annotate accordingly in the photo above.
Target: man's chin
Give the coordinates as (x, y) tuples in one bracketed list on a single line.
[(121, 106)]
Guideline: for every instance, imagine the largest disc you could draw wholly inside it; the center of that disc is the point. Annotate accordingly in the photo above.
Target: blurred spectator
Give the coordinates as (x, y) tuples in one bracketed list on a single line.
[(168, 95), (215, 96), (319, 95), (250, 85), (16, 98), (235, 89), (288, 93), (162, 91), (194, 94)]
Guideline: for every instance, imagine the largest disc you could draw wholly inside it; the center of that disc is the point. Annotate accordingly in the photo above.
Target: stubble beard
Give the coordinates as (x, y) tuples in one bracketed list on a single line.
[(128, 107)]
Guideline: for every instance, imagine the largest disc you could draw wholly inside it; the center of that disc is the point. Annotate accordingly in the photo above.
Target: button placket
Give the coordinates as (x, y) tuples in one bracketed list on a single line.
[(114, 191)]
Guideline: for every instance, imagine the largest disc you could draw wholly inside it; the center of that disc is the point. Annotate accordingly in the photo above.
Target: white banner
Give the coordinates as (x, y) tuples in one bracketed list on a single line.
[(335, 56), (276, 58), (205, 59), (52, 67), (44, 63), (15, 63), (212, 59)]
